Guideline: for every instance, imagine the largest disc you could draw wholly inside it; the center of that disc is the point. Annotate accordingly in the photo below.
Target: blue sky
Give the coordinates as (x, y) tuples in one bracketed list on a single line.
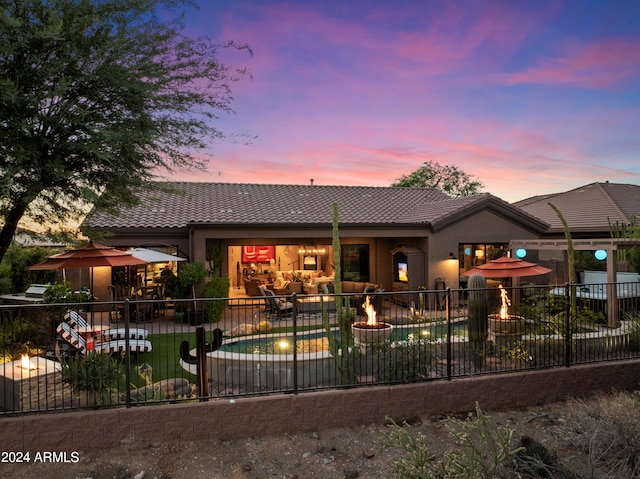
[(528, 97)]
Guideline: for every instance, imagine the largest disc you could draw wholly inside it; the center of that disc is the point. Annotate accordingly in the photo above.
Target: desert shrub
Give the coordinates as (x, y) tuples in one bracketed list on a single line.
[(634, 331), (482, 450), (97, 373), (607, 429), (401, 361), (218, 287)]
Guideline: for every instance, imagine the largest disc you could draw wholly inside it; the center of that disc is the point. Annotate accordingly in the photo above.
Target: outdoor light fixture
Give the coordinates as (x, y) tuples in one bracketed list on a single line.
[(311, 250), (521, 253), (600, 254), (452, 256)]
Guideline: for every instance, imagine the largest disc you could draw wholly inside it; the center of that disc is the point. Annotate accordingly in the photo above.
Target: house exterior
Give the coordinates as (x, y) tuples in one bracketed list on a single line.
[(291, 227)]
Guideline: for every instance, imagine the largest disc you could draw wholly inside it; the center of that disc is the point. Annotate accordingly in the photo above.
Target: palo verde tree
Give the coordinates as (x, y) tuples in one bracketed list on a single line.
[(448, 178), (96, 96)]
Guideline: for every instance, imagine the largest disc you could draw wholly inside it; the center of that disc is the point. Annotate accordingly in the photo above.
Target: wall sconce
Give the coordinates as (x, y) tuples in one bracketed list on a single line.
[(452, 256)]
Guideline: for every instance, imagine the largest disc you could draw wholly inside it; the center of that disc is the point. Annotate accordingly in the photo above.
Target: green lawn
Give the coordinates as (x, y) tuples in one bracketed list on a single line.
[(165, 357)]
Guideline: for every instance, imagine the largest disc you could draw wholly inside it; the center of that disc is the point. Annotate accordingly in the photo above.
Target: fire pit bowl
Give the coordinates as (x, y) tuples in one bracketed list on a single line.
[(364, 333), (512, 325)]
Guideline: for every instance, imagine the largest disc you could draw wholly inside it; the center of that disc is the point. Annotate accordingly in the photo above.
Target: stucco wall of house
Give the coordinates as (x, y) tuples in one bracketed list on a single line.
[(482, 227)]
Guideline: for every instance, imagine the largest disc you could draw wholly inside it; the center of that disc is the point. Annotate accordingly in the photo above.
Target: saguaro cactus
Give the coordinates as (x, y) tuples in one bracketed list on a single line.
[(478, 318), (343, 351)]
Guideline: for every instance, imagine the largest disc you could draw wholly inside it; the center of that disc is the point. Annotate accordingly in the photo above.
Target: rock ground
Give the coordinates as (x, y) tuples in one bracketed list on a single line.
[(336, 453)]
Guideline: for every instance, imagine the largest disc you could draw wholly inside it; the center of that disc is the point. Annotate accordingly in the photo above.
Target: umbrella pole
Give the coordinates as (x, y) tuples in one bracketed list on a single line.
[(515, 290)]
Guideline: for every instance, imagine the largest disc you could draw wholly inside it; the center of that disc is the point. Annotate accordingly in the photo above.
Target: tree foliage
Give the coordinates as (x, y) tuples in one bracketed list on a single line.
[(448, 178), (96, 96)]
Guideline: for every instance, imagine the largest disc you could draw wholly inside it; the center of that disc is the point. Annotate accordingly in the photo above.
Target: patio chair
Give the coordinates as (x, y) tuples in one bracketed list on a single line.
[(145, 306), (273, 306), (116, 346), (75, 320), (116, 309)]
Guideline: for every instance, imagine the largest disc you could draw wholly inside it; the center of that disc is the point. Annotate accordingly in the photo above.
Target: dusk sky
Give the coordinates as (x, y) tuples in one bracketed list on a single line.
[(528, 97)]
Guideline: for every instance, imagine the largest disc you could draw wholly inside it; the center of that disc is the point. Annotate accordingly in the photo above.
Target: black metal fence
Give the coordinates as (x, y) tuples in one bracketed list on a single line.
[(129, 353)]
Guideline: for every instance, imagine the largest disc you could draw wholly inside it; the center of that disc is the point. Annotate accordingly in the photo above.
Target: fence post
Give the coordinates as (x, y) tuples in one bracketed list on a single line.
[(567, 333), (127, 354), (201, 368), (295, 343), (449, 332)]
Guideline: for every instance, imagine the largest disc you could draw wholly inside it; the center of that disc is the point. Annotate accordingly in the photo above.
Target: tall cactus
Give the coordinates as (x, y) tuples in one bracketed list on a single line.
[(478, 318), (343, 352)]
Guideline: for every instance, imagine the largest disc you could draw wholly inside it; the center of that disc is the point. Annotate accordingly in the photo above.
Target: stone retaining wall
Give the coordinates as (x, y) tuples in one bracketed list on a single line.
[(278, 414)]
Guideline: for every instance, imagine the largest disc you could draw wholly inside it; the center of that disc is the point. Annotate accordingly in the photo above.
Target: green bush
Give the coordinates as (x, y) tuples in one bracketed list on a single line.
[(634, 331), (403, 362), (61, 293), (14, 277), (218, 287), (98, 373), (19, 336)]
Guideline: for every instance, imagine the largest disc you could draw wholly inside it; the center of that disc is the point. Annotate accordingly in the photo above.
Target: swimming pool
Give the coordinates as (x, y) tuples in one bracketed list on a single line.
[(267, 361), (314, 342)]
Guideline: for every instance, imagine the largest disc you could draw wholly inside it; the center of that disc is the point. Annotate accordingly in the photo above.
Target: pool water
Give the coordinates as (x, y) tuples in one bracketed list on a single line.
[(317, 342)]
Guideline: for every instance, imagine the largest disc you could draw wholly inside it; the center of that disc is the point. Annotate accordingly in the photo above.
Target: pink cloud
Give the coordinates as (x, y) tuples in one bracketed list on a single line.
[(600, 65)]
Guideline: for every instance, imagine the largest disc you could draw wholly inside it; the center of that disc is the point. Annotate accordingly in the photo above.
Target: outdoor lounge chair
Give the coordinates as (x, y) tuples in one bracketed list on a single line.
[(75, 320), (274, 306), (114, 346)]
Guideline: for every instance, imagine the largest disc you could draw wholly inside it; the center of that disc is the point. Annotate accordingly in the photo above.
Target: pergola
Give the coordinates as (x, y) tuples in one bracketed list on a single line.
[(610, 245)]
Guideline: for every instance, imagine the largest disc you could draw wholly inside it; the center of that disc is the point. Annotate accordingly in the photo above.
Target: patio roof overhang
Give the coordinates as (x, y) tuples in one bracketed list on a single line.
[(610, 245)]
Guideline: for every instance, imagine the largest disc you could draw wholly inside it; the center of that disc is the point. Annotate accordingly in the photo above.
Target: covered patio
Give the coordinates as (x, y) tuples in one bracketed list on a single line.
[(610, 247)]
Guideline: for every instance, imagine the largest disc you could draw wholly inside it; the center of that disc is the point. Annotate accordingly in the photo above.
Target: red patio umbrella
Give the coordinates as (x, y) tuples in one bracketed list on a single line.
[(88, 256), (506, 267)]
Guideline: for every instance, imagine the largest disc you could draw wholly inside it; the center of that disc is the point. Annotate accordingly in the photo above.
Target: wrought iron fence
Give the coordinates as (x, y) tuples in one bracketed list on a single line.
[(195, 350)]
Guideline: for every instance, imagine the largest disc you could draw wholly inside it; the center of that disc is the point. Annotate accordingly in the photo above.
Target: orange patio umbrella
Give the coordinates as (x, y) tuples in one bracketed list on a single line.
[(506, 267), (89, 256)]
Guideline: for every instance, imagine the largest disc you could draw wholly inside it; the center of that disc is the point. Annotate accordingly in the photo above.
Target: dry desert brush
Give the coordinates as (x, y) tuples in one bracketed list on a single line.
[(482, 450), (606, 428)]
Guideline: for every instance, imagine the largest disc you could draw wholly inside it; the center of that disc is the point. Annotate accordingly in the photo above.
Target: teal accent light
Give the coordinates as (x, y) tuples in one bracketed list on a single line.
[(600, 254)]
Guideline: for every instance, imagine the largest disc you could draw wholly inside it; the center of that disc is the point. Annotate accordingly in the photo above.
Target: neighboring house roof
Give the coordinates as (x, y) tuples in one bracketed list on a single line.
[(259, 204), (587, 209), (26, 238)]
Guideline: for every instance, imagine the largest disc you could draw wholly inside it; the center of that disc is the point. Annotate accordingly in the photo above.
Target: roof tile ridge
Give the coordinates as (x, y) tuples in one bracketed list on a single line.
[(612, 202)]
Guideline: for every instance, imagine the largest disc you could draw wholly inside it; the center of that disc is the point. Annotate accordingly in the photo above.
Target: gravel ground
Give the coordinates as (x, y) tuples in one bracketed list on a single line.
[(337, 453)]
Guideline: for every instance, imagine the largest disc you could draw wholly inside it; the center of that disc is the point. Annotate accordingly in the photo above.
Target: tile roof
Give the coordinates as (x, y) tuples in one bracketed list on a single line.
[(253, 204), (587, 208)]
